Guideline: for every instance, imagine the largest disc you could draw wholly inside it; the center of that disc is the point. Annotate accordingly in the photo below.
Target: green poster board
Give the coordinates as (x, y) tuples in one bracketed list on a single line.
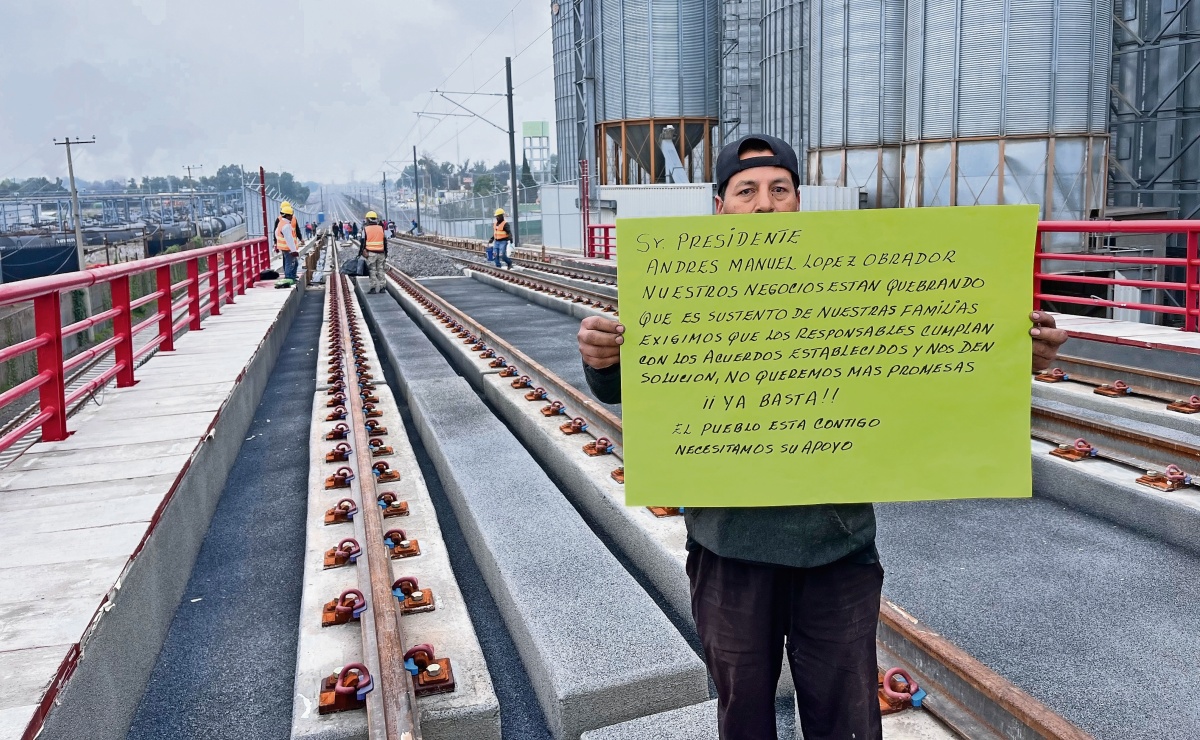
[(826, 357)]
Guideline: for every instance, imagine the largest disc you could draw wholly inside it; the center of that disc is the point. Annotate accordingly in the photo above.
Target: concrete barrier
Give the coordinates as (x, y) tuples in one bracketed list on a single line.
[(596, 647), (562, 305), (697, 722), (1109, 491)]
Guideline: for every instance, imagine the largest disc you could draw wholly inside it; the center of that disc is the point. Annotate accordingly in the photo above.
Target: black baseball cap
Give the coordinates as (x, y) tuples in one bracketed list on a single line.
[(729, 162)]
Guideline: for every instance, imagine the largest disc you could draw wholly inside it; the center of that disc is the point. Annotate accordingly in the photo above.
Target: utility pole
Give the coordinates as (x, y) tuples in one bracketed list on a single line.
[(262, 182), (512, 159), (385, 208), (79, 253), (75, 198), (192, 197), (417, 187)]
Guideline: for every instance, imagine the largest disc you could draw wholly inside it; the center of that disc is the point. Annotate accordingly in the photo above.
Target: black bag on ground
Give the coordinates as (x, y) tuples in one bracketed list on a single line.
[(356, 267), (268, 275)]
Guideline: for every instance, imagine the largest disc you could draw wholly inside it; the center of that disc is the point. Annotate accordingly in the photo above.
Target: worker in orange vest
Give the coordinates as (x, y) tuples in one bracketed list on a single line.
[(288, 239), (374, 248), (501, 239)]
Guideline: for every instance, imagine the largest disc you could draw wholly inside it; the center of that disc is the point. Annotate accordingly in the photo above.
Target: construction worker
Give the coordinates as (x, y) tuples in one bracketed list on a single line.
[(374, 248), (288, 239), (501, 239), (808, 577)]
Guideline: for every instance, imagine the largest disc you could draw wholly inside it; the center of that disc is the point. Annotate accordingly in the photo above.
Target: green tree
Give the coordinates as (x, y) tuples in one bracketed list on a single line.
[(485, 184), (529, 186), (288, 186), (42, 186)]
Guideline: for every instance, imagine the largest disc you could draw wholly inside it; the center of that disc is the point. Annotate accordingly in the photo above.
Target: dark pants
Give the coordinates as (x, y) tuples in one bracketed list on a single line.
[(745, 611), (501, 252), (289, 265)]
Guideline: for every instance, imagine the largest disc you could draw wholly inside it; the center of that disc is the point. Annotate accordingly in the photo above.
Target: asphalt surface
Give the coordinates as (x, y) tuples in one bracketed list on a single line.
[(227, 667), (545, 335), (1096, 621)]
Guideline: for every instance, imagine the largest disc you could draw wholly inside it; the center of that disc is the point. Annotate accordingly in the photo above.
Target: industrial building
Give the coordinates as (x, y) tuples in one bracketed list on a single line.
[(1083, 107), (916, 102)]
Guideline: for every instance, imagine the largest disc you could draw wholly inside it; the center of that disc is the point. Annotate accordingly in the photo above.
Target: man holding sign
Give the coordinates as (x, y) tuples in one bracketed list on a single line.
[(765, 575)]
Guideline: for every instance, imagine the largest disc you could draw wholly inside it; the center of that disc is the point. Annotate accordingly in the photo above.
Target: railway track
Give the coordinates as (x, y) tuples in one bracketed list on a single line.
[(1133, 381), (963, 694), (526, 259), (1139, 418), (391, 711), (572, 293), (380, 592)]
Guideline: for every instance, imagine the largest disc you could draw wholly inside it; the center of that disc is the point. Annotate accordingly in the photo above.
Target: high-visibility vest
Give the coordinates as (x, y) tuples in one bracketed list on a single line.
[(285, 235), (375, 238), (500, 231)]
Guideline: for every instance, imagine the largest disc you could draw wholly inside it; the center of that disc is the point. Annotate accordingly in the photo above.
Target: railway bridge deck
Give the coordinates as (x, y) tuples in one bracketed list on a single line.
[(174, 563)]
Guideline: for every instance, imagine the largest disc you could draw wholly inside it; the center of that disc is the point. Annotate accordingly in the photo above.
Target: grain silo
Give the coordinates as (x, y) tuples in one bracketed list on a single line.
[(784, 72), (855, 126), (987, 102), (1007, 103), (656, 69), (566, 115)]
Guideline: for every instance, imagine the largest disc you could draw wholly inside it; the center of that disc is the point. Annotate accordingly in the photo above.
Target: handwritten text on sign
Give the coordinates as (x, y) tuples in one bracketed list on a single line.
[(826, 357)]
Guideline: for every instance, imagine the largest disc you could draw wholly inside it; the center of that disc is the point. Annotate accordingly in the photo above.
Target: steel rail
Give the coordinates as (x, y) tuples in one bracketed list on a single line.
[(391, 712), (966, 695), (1131, 447), (578, 273), (562, 290), (1143, 382)]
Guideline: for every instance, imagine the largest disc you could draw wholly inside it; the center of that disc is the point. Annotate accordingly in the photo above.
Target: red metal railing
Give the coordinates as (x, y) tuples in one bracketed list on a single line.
[(601, 241), (1189, 286), (228, 270)]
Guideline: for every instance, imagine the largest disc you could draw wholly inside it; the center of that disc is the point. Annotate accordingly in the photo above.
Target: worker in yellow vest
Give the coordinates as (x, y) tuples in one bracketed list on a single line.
[(374, 248), (288, 239), (501, 239)]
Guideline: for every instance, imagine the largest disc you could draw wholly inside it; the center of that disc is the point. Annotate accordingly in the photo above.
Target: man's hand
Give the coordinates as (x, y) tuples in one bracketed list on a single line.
[(600, 342), (1046, 339)]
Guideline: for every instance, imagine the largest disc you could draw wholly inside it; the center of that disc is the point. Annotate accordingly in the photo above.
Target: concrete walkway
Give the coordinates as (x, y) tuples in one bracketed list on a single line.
[(89, 523), (238, 614)]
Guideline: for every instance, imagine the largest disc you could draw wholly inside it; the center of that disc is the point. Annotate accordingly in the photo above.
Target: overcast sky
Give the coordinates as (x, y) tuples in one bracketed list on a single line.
[(321, 88)]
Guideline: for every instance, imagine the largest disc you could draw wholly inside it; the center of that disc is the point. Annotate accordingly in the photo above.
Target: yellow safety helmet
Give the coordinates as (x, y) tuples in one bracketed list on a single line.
[(286, 207), (371, 215), (499, 212)]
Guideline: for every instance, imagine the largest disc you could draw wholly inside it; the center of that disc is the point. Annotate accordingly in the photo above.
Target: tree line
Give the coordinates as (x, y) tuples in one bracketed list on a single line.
[(476, 176), (228, 177)]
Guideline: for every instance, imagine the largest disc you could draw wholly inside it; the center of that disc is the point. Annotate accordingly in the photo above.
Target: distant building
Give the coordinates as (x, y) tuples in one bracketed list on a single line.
[(536, 145)]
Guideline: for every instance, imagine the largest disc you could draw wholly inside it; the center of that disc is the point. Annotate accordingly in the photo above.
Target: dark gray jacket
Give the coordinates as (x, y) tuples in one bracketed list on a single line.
[(799, 536)]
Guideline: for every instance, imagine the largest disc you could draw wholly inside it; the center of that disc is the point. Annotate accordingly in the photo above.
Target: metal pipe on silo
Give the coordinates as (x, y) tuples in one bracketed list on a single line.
[(784, 70), (741, 49)]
